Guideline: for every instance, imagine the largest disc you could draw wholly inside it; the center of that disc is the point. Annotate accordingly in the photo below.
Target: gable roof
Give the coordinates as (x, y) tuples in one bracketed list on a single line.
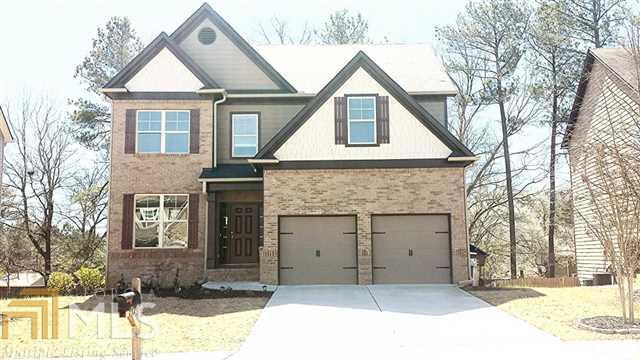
[(361, 60), (619, 62), (5, 129), (160, 42), (308, 67), (206, 12)]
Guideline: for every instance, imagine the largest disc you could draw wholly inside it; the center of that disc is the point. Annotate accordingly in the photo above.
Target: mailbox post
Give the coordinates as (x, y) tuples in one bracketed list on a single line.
[(136, 344), (129, 307)]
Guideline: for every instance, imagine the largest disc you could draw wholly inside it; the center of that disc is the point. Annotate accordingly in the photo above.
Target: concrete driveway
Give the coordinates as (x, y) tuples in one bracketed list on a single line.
[(390, 322)]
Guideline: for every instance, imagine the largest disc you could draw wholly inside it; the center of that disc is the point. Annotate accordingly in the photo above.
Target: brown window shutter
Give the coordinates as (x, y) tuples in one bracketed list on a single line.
[(340, 109), (193, 221), (194, 138), (382, 119), (127, 221), (130, 132)]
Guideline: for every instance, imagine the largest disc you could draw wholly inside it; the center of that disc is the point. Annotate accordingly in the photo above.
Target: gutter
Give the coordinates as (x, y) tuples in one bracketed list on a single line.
[(223, 92), (114, 90), (462, 158), (263, 161)]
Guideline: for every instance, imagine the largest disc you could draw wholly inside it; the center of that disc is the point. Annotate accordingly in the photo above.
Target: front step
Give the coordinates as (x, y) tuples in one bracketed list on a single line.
[(234, 274)]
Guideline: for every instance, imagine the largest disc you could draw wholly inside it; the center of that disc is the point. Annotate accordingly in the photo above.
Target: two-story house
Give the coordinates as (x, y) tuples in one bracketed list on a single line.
[(284, 164), (605, 107)]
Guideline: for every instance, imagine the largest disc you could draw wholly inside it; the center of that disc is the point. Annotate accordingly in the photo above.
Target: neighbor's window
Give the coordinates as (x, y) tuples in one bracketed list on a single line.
[(244, 138), (361, 112), (161, 221), (163, 132)]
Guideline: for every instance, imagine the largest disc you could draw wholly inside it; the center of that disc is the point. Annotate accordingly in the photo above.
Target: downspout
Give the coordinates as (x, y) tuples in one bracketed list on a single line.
[(215, 126)]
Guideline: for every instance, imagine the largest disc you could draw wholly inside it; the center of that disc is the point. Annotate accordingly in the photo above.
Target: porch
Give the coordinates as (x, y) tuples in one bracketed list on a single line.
[(234, 222)]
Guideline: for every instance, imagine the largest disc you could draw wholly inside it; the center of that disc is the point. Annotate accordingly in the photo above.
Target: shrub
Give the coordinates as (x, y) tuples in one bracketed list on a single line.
[(90, 279), (61, 282)]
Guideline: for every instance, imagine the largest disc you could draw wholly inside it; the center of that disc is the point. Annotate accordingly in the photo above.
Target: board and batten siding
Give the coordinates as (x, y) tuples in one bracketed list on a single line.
[(224, 62), (165, 72), (597, 112), (409, 138)]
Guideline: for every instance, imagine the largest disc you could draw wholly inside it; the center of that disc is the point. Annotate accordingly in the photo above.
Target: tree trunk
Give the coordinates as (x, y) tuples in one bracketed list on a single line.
[(630, 279), (551, 262), (507, 168), (620, 280)]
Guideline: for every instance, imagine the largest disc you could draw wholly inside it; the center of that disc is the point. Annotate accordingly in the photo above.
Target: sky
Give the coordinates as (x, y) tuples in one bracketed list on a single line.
[(41, 42)]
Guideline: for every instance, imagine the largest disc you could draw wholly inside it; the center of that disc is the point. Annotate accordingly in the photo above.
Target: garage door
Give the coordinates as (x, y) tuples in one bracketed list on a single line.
[(411, 249), (318, 250)]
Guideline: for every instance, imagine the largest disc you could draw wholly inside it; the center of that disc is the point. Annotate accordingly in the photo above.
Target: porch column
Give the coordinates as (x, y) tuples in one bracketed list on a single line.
[(212, 231)]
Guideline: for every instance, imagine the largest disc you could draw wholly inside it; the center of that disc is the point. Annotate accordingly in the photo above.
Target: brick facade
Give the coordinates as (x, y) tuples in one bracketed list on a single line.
[(364, 192), (156, 174)]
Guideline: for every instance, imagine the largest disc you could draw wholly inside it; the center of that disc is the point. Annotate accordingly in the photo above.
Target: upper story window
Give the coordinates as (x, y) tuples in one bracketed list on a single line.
[(361, 116), (244, 135), (164, 131), (161, 221)]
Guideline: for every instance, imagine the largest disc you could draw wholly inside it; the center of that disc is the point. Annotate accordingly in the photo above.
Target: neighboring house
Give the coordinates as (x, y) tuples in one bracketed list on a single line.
[(22, 280), (608, 81), (284, 164), (5, 138)]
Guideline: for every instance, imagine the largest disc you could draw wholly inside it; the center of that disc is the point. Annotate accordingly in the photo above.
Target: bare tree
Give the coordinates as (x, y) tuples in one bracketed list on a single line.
[(344, 28), (37, 174), (495, 35), (595, 22), (279, 31), (556, 66), (84, 219)]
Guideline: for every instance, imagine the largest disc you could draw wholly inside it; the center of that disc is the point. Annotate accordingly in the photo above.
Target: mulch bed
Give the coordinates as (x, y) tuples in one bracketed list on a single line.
[(608, 325), (202, 293)]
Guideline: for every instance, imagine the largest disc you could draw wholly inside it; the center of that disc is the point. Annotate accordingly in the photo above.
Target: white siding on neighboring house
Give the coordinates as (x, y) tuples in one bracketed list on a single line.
[(409, 138), (603, 105), (1, 157), (225, 63), (165, 72)]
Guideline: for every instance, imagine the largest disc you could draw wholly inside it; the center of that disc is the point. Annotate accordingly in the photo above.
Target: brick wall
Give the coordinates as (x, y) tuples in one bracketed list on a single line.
[(156, 174), (363, 192)]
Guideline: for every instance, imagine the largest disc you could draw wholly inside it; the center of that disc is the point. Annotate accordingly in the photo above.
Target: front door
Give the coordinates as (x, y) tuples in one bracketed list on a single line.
[(243, 234)]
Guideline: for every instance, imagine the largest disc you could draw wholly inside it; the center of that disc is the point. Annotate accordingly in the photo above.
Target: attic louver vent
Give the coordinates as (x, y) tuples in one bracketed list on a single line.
[(207, 36)]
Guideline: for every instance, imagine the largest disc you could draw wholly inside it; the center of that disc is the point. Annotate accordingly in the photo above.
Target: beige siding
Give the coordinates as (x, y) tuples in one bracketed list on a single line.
[(409, 138), (225, 63), (602, 106), (272, 118)]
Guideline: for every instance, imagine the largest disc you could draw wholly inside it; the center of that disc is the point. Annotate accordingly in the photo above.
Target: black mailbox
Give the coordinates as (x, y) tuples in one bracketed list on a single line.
[(127, 300)]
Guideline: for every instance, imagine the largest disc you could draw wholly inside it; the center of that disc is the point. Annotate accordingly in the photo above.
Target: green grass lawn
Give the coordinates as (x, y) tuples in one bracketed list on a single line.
[(181, 324), (555, 310)]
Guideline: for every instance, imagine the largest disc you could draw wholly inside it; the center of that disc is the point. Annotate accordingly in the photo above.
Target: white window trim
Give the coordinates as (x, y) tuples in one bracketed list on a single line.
[(233, 135), (160, 222), (349, 121), (164, 132)]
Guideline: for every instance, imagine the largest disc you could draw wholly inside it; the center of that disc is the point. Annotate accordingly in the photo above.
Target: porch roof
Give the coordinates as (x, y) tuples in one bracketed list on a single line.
[(231, 171)]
